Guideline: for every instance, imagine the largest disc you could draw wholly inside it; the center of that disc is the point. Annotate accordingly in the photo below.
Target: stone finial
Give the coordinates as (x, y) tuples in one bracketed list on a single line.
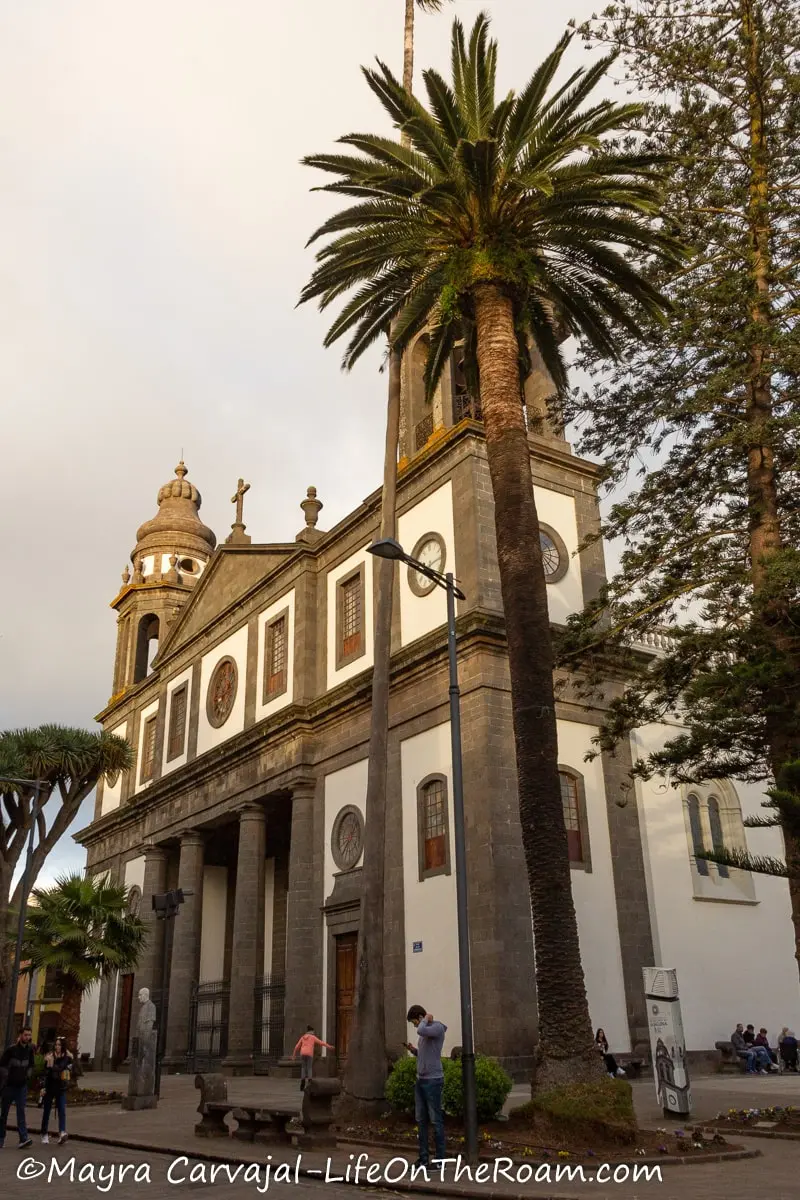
[(311, 507), (126, 576), (138, 571), (172, 575)]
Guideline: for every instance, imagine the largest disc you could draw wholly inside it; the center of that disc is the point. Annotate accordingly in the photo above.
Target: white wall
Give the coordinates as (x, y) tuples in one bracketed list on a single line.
[(365, 661), (735, 961), (558, 511), (149, 564), (212, 937), (236, 647), (266, 710), (593, 893), (421, 614), (269, 913), (348, 786), (430, 905), (112, 795), (134, 872), (180, 759), (138, 786)]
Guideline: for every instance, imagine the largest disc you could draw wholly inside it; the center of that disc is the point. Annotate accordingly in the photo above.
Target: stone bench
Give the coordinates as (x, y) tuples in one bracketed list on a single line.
[(260, 1123), (631, 1066), (729, 1058), (317, 1114), (213, 1106)]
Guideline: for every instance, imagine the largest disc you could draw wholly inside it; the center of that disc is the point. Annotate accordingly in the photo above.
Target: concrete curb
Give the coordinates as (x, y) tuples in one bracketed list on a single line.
[(775, 1134)]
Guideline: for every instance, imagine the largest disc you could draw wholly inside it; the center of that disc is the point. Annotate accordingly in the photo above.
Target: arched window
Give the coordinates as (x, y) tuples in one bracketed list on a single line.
[(421, 410), (573, 801), (146, 646), (717, 839), (433, 827), (696, 827)]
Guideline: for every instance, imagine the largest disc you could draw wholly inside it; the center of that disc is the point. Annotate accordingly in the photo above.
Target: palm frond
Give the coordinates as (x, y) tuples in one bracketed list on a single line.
[(742, 860)]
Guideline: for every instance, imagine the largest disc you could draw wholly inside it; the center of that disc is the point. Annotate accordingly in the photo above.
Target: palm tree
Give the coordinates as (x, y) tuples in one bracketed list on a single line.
[(69, 763), (82, 928), (500, 222), (366, 1061)]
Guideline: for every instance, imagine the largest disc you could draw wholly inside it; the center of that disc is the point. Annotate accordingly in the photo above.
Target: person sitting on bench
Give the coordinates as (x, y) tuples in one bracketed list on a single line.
[(787, 1048), (756, 1058)]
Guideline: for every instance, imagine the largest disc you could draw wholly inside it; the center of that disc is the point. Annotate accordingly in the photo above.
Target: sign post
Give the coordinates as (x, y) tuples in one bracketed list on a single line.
[(667, 1043)]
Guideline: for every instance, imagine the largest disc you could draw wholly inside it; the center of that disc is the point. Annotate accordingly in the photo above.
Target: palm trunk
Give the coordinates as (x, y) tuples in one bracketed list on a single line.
[(367, 1061), (565, 1051), (7, 939), (69, 1019), (762, 490), (365, 1077)]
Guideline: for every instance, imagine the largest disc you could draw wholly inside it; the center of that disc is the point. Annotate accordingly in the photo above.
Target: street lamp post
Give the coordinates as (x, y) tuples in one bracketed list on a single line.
[(166, 907), (38, 787), (389, 548)]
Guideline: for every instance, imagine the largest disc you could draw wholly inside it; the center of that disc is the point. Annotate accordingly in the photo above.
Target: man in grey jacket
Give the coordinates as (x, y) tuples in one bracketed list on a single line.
[(756, 1058), (430, 1080)]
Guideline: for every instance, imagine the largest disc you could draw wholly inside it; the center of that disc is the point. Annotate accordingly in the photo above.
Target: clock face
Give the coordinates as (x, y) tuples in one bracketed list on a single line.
[(347, 838), (430, 551), (221, 692)]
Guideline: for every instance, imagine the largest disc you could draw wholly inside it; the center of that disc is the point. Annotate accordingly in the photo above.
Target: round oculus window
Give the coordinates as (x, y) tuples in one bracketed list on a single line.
[(347, 837), (430, 550), (221, 695), (555, 559)]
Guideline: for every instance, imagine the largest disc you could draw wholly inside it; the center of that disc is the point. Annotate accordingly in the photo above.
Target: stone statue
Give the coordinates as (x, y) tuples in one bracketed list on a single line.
[(142, 1075)]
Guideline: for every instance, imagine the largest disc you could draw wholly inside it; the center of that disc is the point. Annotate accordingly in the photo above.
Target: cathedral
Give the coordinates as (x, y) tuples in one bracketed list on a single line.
[(242, 682)]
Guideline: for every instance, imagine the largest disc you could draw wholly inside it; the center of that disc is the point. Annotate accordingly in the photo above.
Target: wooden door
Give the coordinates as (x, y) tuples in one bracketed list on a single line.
[(346, 947), (125, 1009)]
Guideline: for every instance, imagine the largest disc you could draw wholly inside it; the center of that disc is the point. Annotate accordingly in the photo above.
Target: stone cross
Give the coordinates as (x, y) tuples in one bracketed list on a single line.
[(237, 536), (238, 499)]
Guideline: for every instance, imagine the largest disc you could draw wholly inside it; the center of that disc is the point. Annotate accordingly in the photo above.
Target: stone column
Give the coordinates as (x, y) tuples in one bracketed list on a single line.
[(248, 937), (303, 924), (148, 968), (185, 957)]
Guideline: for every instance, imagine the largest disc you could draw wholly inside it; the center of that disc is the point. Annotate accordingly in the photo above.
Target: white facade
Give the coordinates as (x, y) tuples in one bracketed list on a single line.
[(430, 904), (214, 917), (558, 511), (336, 674), (266, 707), (734, 957), (113, 793), (234, 647), (167, 763), (422, 614), (347, 786), (150, 711), (593, 893), (187, 564)]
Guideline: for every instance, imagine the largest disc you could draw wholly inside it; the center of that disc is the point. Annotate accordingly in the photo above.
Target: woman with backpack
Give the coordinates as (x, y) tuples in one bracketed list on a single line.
[(58, 1072)]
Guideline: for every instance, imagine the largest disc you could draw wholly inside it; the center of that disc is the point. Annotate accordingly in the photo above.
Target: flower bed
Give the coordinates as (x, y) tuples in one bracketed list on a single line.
[(79, 1097), (772, 1120)]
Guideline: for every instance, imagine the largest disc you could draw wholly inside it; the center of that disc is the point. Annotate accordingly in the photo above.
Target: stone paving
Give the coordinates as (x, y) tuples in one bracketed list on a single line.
[(151, 1139)]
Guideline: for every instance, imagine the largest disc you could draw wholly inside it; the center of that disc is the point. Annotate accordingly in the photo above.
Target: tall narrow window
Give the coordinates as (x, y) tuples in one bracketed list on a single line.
[(350, 642), (148, 749), (717, 839), (177, 722), (572, 816), (277, 649), (432, 825), (696, 827)]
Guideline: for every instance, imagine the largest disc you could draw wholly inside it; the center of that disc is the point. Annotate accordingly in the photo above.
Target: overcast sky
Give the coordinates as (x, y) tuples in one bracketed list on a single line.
[(153, 215)]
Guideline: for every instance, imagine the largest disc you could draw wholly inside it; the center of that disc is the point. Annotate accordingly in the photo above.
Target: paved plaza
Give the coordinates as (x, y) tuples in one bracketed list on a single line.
[(150, 1142)]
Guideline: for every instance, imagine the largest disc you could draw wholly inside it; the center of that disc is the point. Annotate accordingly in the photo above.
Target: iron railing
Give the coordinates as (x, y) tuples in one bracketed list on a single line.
[(208, 1026), (270, 997), (466, 406)]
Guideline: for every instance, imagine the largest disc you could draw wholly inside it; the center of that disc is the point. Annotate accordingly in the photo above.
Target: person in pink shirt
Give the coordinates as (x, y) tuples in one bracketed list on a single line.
[(306, 1045)]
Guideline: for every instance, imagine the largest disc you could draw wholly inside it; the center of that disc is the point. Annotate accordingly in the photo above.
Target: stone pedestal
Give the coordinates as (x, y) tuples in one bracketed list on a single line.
[(142, 1071), (248, 938)]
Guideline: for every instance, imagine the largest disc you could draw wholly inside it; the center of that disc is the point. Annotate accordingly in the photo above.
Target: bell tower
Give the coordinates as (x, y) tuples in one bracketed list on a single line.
[(423, 421), (171, 553)]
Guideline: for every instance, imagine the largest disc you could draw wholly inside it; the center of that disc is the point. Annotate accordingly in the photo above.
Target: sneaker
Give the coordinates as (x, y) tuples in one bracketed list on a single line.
[(422, 1163), (24, 1145), (611, 1075), (620, 1072), (45, 1140), (763, 1072), (62, 1138)]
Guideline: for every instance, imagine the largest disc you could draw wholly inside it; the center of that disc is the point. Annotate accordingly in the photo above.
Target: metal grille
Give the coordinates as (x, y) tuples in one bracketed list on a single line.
[(276, 657), (435, 827), (270, 997), (177, 722), (149, 749), (351, 615), (208, 1034), (466, 406), (551, 559), (572, 818), (423, 431)]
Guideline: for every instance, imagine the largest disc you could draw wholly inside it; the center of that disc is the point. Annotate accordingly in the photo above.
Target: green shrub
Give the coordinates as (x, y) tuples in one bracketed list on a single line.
[(492, 1086), (400, 1085)]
